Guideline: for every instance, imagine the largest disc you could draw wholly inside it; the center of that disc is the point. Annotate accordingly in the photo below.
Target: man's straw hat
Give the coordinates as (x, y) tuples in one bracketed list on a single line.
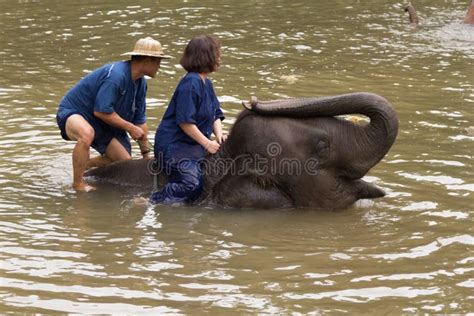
[(148, 47)]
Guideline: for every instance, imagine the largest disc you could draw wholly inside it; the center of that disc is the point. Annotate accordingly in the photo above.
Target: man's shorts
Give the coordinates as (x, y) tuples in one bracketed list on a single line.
[(61, 118), (103, 133)]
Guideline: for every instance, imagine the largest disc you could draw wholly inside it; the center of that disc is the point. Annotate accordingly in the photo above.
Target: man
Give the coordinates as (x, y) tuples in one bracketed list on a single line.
[(106, 104)]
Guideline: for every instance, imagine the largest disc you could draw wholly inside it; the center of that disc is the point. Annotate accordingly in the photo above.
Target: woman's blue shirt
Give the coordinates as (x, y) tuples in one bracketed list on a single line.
[(195, 102)]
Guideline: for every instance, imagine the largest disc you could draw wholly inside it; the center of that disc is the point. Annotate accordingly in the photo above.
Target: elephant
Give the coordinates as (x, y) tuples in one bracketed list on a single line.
[(290, 153)]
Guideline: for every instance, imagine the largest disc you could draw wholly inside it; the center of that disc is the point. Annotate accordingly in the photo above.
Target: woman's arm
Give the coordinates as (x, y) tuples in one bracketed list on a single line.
[(192, 131), (218, 131)]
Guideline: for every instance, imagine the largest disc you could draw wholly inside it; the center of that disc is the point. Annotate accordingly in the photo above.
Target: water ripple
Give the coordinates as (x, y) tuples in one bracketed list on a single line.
[(426, 250), (365, 294)]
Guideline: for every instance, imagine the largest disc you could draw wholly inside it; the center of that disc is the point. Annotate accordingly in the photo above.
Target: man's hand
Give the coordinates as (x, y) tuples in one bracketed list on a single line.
[(136, 132), (113, 119)]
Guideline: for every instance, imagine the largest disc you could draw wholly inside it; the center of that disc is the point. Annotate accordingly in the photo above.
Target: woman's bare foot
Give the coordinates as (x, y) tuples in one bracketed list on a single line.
[(140, 201), (83, 187)]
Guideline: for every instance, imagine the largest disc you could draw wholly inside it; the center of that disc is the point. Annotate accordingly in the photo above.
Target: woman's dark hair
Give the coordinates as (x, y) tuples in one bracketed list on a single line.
[(201, 55)]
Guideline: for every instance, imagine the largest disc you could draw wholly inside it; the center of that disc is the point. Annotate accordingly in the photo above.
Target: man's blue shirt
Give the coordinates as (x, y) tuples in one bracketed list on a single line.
[(194, 101), (108, 89)]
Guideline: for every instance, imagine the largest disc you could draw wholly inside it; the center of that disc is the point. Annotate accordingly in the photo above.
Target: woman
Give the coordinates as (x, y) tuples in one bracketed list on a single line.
[(194, 113)]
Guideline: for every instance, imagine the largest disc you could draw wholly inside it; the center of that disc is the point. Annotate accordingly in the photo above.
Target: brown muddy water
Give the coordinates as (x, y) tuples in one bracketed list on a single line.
[(409, 252)]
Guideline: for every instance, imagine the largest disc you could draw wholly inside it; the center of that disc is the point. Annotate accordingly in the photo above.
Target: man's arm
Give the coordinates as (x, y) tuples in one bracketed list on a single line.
[(113, 119), (145, 146)]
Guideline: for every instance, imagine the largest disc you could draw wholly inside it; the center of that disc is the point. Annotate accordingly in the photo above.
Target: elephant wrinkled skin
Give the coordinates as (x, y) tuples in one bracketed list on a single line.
[(288, 153)]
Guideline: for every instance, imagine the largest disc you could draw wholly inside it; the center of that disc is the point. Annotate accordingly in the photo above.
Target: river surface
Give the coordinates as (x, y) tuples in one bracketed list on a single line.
[(409, 252)]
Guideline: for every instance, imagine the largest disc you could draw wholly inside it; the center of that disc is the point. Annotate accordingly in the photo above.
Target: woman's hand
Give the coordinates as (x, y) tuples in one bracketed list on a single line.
[(221, 138), (192, 131), (212, 146)]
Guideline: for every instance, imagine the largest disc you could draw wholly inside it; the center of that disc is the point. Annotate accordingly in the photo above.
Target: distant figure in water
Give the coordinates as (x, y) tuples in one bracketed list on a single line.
[(412, 16), (469, 19)]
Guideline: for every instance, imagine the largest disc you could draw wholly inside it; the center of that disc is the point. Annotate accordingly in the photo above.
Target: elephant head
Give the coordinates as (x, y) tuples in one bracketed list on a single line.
[(297, 153)]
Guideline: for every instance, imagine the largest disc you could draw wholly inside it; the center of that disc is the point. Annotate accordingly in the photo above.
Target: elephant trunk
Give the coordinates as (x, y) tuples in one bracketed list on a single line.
[(367, 144)]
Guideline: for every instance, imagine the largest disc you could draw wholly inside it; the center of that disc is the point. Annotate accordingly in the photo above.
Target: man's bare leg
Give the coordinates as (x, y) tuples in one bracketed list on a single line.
[(78, 129), (98, 161), (116, 152)]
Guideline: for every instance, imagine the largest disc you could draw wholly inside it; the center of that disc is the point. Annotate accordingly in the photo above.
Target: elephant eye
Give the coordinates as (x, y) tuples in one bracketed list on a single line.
[(322, 148)]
